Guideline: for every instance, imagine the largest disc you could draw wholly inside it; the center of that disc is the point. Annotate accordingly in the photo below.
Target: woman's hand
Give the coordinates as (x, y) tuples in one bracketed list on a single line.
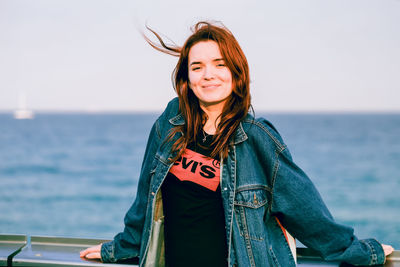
[(387, 249), (92, 252)]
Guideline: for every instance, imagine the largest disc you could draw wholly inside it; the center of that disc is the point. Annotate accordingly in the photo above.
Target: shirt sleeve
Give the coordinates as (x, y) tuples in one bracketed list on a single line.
[(300, 208)]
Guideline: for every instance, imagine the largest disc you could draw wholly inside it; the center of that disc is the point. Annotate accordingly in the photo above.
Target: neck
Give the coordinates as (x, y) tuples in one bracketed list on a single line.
[(213, 112)]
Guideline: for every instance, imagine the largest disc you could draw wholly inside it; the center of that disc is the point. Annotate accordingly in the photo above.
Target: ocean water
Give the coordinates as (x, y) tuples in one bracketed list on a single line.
[(76, 174)]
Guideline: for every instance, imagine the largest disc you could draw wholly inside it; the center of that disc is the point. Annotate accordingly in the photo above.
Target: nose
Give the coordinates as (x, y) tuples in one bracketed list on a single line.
[(208, 73)]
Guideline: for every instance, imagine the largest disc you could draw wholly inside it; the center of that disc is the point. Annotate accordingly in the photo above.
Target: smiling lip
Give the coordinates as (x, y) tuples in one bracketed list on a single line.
[(210, 86)]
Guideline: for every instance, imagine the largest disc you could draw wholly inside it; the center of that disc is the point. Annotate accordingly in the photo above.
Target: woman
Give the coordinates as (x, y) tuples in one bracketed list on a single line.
[(218, 187)]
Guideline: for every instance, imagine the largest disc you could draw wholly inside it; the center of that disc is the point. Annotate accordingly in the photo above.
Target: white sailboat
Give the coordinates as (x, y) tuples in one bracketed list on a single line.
[(22, 112)]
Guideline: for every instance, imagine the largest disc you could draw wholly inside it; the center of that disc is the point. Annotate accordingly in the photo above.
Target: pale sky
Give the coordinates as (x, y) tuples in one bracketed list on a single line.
[(304, 55)]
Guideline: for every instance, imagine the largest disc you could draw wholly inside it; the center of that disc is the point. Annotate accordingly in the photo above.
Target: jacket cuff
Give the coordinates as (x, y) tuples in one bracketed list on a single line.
[(376, 249), (107, 252)]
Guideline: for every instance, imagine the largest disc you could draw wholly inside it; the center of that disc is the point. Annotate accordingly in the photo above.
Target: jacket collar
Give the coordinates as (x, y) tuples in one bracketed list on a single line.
[(238, 136), (177, 120)]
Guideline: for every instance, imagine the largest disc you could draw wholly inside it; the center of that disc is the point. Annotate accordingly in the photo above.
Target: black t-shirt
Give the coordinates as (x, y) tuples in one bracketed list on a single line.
[(194, 223)]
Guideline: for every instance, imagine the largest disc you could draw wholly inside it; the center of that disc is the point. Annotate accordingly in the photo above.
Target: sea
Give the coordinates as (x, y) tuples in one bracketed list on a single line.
[(76, 174)]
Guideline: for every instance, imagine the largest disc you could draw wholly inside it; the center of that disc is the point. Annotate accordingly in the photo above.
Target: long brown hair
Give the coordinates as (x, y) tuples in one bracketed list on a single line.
[(237, 105)]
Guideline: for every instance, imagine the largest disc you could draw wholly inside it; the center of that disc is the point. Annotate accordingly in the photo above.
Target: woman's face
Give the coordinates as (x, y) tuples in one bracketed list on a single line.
[(209, 77)]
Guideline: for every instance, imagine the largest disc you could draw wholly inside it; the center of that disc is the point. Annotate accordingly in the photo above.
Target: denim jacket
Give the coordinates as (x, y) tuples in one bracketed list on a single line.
[(262, 189)]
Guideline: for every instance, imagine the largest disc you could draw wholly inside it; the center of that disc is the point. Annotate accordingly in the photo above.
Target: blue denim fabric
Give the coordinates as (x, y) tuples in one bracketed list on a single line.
[(259, 183)]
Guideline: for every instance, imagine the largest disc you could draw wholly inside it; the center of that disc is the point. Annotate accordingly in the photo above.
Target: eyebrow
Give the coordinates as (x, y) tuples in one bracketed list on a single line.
[(199, 62)]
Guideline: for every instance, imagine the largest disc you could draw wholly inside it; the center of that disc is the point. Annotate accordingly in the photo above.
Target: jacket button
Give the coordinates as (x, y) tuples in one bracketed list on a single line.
[(153, 193)]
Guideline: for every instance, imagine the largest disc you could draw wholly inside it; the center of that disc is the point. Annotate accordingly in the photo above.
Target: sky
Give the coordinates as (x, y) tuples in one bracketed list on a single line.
[(304, 55)]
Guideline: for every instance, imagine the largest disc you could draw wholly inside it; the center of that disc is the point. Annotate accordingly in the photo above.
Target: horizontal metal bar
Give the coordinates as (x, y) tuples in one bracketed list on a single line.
[(21, 250)]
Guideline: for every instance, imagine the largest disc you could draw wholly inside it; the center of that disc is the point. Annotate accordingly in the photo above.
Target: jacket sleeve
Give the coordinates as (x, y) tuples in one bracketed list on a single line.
[(126, 244), (300, 208)]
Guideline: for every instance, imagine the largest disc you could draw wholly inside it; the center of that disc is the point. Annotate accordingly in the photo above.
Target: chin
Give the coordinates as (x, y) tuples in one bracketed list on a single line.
[(214, 101)]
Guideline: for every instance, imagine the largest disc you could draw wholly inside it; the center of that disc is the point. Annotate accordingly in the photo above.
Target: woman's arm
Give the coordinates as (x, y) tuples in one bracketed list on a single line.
[(127, 243), (300, 208)]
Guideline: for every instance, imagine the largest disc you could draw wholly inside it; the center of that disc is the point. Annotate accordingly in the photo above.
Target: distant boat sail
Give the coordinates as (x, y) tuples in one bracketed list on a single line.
[(22, 112)]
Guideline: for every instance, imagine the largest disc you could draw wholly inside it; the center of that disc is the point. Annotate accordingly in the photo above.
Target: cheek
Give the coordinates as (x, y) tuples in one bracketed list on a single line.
[(193, 79), (225, 75), (227, 78)]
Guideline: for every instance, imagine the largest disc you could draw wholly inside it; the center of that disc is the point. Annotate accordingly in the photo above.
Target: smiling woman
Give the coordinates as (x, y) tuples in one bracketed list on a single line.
[(218, 187), (209, 78), (209, 47)]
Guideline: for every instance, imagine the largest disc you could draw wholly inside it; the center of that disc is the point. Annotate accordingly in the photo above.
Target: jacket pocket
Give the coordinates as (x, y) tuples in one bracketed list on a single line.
[(250, 206)]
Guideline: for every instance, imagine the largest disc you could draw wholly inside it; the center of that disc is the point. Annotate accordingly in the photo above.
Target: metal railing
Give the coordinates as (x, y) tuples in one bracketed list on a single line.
[(22, 250)]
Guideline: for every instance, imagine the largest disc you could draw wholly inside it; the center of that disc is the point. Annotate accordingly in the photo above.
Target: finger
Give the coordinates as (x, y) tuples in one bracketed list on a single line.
[(86, 251), (94, 255), (90, 250), (83, 253)]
